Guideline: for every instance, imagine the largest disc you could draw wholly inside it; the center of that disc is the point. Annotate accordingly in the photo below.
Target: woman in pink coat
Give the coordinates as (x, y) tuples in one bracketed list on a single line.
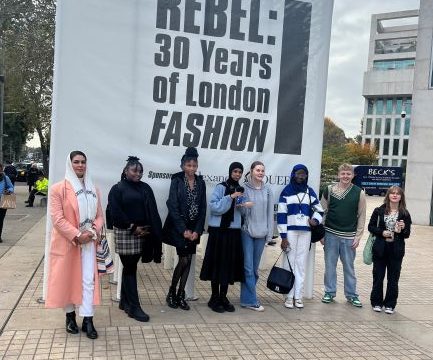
[(76, 214)]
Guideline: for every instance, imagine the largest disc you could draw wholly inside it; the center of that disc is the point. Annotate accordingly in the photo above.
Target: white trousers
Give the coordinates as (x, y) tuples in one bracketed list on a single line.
[(299, 242), (88, 258)]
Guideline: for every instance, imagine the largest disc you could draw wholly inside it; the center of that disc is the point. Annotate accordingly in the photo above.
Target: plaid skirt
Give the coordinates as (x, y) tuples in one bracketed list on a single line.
[(126, 243)]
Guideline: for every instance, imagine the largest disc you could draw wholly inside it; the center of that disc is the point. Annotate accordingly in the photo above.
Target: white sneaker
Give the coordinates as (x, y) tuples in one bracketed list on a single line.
[(288, 303), (377, 308), (256, 308), (389, 310), (299, 304)]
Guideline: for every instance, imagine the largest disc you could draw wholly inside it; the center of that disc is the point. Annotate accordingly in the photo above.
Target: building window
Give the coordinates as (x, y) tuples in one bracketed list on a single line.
[(387, 126), (405, 146), (404, 164), (384, 162), (370, 104), (395, 46), (367, 142), (395, 162), (379, 106), (389, 106), (368, 126), (397, 64), (378, 126), (395, 147), (397, 126), (385, 146), (398, 106), (377, 145), (408, 106), (406, 126)]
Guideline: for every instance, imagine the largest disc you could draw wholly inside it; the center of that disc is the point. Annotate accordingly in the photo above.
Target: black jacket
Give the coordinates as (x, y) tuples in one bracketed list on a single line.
[(379, 243), (32, 175), (122, 214), (11, 172), (176, 224)]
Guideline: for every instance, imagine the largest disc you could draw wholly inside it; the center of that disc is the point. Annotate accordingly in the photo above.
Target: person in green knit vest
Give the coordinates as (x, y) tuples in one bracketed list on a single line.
[(344, 205)]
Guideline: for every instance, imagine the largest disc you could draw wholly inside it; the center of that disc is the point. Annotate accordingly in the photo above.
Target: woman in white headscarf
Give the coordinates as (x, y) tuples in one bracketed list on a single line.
[(77, 218)]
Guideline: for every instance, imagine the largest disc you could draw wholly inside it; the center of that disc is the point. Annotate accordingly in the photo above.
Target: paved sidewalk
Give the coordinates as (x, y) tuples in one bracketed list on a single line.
[(336, 330)]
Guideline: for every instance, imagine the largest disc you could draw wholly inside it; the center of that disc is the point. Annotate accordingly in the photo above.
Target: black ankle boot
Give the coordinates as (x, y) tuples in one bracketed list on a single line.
[(138, 314), (227, 305), (181, 300), (88, 327), (71, 323), (171, 298)]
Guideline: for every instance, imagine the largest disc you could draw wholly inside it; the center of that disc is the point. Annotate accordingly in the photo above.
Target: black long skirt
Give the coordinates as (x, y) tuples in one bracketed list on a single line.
[(224, 259)]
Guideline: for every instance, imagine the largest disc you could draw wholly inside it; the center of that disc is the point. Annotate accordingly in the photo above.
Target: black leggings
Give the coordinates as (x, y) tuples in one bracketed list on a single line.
[(219, 290), (181, 272), (2, 218)]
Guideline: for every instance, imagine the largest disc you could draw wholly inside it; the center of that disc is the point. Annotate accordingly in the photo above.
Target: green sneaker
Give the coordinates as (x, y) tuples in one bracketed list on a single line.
[(327, 298), (355, 301)]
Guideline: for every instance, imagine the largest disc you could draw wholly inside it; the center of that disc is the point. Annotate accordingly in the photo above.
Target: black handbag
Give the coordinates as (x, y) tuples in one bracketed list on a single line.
[(281, 280), (317, 233)]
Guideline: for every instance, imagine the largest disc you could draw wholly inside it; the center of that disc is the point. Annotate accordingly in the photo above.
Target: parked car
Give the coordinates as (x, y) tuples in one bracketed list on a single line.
[(22, 169)]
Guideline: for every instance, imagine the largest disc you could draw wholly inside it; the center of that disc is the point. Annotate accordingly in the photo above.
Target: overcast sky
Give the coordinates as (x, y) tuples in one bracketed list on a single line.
[(348, 57)]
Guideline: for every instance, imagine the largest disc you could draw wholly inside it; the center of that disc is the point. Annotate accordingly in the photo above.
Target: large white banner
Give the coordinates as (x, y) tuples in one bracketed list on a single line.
[(241, 80)]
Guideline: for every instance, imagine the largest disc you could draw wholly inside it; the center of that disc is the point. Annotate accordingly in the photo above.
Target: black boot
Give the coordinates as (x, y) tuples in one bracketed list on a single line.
[(135, 311), (123, 303), (71, 323), (88, 327), (171, 298), (181, 300), (227, 305)]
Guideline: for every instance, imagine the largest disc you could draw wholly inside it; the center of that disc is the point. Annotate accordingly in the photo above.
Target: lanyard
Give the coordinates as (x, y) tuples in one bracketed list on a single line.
[(300, 201)]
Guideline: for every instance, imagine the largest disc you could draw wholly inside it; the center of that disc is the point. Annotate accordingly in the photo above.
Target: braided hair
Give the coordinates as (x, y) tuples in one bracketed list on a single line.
[(132, 161)]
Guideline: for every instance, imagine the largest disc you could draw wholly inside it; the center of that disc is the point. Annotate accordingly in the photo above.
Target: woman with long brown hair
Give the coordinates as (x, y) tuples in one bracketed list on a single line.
[(391, 224), (257, 228)]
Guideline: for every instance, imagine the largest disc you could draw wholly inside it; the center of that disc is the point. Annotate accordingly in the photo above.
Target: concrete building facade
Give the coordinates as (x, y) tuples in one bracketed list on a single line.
[(388, 85), (419, 174), (398, 92)]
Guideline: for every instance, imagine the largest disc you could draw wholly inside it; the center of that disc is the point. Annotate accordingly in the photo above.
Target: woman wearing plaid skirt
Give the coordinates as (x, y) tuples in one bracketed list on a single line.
[(135, 217), (185, 222)]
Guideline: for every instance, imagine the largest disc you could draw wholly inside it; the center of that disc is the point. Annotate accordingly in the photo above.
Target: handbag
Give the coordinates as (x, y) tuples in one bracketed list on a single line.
[(104, 259), (281, 280), (8, 201), (318, 231), (367, 254)]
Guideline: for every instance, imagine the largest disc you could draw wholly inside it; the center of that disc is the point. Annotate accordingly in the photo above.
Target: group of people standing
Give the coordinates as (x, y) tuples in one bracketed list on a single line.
[(241, 221)]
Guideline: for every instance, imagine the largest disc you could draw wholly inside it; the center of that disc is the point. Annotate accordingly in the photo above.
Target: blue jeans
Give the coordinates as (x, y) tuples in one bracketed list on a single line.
[(335, 247), (253, 249)]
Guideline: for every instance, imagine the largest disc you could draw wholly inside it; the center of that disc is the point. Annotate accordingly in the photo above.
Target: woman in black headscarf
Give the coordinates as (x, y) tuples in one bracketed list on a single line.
[(223, 261), (185, 222)]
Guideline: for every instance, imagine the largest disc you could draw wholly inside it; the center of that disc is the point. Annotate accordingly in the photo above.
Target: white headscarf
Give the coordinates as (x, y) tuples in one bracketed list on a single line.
[(86, 197)]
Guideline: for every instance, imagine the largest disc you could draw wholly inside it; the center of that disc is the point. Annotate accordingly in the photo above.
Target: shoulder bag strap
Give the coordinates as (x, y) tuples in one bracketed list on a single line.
[(290, 266)]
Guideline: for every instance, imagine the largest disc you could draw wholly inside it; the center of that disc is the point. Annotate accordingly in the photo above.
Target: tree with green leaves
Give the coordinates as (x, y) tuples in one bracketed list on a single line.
[(337, 149), (27, 31)]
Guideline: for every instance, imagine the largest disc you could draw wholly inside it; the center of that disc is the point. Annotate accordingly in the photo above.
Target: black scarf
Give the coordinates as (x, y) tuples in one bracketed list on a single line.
[(230, 188)]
